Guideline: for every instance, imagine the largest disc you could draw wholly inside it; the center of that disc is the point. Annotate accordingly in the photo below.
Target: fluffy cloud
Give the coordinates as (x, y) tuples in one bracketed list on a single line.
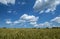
[(33, 20), (7, 1), (57, 19), (29, 18), (43, 25), (8, 22), (46, 5), (24, 19), (50, 24)]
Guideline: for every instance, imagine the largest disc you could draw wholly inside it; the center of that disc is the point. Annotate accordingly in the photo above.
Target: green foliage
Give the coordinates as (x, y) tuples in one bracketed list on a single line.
[(29, 33)]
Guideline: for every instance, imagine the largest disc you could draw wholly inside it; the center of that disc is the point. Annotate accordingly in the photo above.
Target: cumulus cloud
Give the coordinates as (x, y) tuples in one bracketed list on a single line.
[(29, 18), (44, 25), (8, 22), (6, 2), (56, 19), (46, 5), (24, 19), (33, 20)]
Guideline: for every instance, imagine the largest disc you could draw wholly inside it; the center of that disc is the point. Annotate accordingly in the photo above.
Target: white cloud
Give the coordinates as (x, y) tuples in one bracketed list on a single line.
[(33, 23), (24, 19), (9, 11), (7, 1), (57, 19), (33, 20), (48, 10), (41, 11), (42, 25), (46, 5), (29, 18), (46, 24), (8, 22), (12, 12), (23, 3), (16, 22)]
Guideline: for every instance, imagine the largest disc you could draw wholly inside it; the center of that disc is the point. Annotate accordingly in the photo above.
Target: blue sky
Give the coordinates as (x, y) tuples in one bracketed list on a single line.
[(29, 13)]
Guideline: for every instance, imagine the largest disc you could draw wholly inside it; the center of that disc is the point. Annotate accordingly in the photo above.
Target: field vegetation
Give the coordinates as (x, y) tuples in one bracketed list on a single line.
[(29, 33)]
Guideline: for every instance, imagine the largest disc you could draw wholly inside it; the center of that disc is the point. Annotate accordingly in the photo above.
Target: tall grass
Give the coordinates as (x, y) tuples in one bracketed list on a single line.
[(29, 33)]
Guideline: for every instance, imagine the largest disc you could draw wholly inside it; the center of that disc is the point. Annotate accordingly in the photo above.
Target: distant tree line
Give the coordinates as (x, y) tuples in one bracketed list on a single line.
[(4, 27), (55, 27), (40, 28), (47, 28)]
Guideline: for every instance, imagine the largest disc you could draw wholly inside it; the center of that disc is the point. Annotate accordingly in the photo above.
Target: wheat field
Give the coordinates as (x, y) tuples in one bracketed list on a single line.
[(28, 33)]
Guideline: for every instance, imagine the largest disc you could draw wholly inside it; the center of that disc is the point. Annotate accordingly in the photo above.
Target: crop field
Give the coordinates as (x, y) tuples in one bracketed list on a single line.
[(28, 33)]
